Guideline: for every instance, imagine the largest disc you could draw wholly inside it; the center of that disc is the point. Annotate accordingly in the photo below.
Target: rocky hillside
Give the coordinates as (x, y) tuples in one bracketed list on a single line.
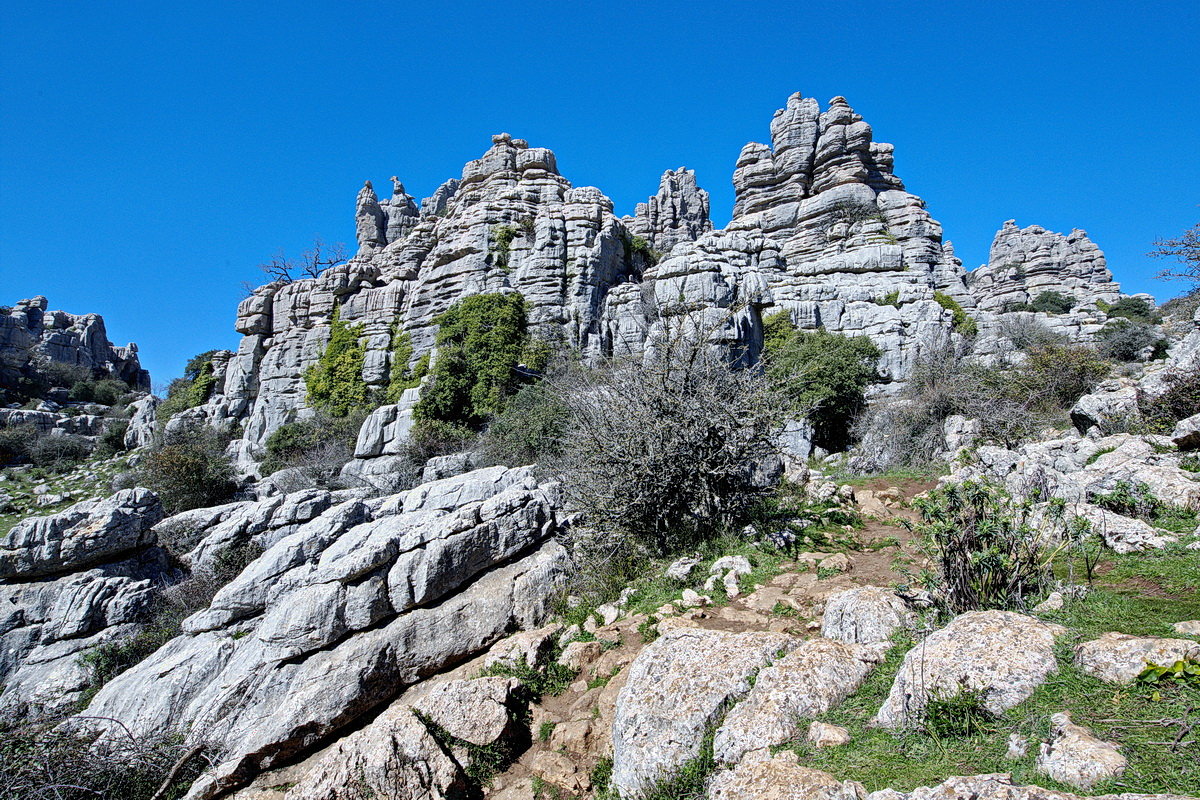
[(528, 501)]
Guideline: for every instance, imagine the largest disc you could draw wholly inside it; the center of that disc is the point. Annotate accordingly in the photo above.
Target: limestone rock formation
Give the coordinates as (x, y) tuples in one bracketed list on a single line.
[(678, 213), (31, 334), (339, 615), (1024, 262), (675, 689), (1002, 655)]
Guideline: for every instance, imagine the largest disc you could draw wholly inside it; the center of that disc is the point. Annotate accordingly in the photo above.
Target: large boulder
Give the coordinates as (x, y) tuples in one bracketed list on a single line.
[(1002, 655), (807, 682), (338, 616), (1120, 657), (865, 615), (676, 689), (1077, 758), (87, 533)]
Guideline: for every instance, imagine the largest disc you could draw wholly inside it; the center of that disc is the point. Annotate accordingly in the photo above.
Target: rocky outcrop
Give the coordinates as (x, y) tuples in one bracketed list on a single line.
[(675, 690), (1024, 262), (87, 533), (1001, 655), (1120, 658), (338, 616), (1077, 758), (30, 335), (678, 213), (810, 680)]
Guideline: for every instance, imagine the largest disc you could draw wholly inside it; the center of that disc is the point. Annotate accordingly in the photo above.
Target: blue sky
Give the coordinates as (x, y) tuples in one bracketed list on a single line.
[(152, 154)]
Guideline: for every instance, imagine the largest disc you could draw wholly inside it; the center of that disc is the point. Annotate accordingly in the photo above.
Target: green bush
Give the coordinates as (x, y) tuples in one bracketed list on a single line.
[(1179, 400), (502, 239), (112, 439), (825, 374), (191, 390), (528, 430), (335, 383), (480, 342), (108, 392), (1051, 302), (187, 468), (961, 321), (1134, 309), (320, 445), (1122, 340), (402, 376), (59, 453), (986, 552), (15, 442)]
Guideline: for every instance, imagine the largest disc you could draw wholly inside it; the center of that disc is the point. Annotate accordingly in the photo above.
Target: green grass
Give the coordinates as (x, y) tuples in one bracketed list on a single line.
[(1126, 715), (894, 475)]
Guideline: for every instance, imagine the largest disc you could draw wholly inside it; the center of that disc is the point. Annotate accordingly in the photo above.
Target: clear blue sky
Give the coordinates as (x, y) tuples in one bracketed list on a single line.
[(152, 154)]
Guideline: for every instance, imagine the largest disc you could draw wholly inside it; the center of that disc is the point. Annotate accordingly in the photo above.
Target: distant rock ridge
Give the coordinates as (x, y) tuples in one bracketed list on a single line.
[(822, 228), (29, 332)]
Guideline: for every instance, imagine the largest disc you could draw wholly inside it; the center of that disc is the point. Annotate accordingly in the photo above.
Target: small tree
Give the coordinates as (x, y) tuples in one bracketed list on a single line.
[(822, 372), (664, 452), (1186, 250), (312, 263), (187, 468)]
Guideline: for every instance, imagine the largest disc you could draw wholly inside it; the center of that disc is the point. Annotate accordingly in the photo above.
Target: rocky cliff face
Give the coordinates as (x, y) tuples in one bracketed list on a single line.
[(822, 228), (30, 334), (1024, 262)]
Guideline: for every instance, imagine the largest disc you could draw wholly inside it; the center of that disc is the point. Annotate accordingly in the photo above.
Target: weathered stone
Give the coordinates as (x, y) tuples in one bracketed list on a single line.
[(1002, 655), (1120, 657), (676, 688), (805, 683), (780, 778), (865, 615), (822, 734), (1077, 758), (1000, 787)]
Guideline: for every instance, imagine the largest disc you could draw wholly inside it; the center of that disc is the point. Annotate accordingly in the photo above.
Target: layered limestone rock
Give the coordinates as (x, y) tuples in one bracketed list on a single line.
[(68, 584), (30, 334), (822, 229), (1024, 262), (341, 614)]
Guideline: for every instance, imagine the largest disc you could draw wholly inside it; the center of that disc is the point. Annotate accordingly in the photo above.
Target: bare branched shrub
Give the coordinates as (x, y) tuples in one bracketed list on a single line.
[(663, 452), (1027, 332)]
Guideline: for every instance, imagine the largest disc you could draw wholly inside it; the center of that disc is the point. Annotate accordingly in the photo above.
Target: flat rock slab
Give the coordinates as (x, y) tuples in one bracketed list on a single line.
[(1000, 786), (807, 682), (676, 689), (1120, 657), (780, 778), (1002, 654), (865, 615)]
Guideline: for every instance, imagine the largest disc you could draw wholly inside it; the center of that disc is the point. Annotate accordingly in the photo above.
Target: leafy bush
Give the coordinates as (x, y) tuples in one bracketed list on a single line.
[(889, 299), (1129, 499), (187, 468), (1179, 400), (986, 552), (335, 383), (108, 392), (528, 430), (961, 321), (502, 239), (480, 342), (112, 439), (320, 446), (15, 442), (402, 376), (191, 390), (1051, 302), (662, 454), (59, 453), (58, 374), (1122, 340), (822, 374), (1135, 309)]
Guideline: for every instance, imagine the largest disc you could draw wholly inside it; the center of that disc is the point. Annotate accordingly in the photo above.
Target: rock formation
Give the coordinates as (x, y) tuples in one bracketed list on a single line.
[(30, 334)]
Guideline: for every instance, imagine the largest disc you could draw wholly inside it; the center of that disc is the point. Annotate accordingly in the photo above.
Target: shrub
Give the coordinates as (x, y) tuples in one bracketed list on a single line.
[(108, 392), (402, 376), (962, 713), (502, 239), (191, 390), (889, 299), (187, 468), (480, 342), (822, 374), (1135, 309), (112, 439), (1027, 333), (986, 553), (1129, 499), (58, 374), (1122, 340), (1051, 302), (15, 442), (662, 453), (1179, 400), (528, 430), (1184, 305), (961, 322), (335, 383), (319, 446), (59, 453)]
